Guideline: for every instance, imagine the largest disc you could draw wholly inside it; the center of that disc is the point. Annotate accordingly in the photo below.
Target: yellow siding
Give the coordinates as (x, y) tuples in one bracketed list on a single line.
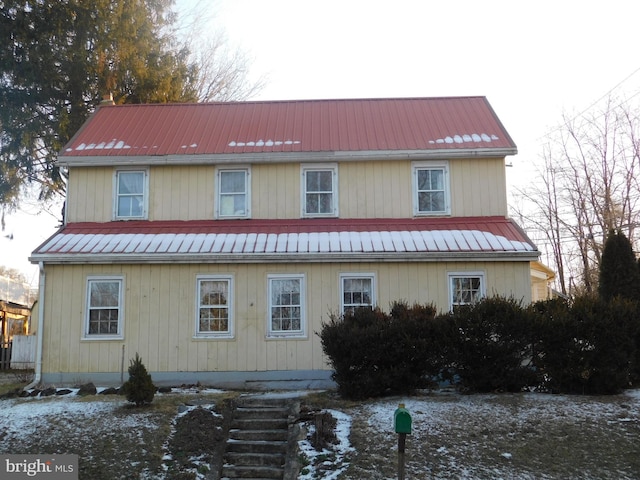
[(275, 191), (378, 189), (478, 187), (160, 305), (181, 192), (90, 194)]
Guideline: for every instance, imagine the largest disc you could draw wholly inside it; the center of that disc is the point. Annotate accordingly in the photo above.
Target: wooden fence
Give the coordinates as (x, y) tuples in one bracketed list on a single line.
[(5, 355), (23, 352)]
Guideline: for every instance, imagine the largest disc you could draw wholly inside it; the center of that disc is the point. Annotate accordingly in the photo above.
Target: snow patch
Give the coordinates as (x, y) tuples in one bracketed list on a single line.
[(466, 138), (263, 143), (114, 144)]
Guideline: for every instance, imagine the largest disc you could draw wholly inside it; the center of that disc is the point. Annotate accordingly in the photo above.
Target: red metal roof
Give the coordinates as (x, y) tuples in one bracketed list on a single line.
[(254, 239), (397, 124)]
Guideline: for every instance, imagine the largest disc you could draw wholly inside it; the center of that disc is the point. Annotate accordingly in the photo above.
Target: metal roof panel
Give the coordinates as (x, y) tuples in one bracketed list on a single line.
[(293, 237), (348, 125)]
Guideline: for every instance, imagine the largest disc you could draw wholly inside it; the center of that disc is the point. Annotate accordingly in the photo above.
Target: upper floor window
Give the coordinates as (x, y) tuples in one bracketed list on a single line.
[(319, 187), (233, 194), (214, 309), (286, 306), (357, 291), (465, 288), (131, 194), (431, 189), (104, 314)]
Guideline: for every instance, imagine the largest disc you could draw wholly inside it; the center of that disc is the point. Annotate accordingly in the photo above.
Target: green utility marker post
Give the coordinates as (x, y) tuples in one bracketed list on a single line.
[(402, 422)]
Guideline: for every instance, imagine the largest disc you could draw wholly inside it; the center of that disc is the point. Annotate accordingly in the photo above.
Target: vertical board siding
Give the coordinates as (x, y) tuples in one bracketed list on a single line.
[(179, 192), (275, 190), (478, 187), (160, 309), (380, 189), (90, 197)]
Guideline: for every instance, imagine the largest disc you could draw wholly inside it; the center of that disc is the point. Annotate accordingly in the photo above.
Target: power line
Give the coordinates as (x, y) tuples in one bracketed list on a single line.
[(595, 102)]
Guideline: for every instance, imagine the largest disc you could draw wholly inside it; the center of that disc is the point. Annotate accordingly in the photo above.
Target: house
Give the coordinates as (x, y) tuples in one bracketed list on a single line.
[(541, 282), (214, 239), (15, 315)]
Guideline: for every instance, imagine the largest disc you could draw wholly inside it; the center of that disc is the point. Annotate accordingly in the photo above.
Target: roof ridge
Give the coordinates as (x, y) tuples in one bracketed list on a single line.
[(299, 100)]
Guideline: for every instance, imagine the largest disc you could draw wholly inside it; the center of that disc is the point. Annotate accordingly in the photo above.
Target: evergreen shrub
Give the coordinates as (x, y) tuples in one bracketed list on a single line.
[(587, 346), (139, 389), (374, 353), (494, 346)]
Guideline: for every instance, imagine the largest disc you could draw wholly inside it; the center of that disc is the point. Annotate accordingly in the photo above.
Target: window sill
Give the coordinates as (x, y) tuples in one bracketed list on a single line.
[(286, 336), (102, 338), (205, 338)]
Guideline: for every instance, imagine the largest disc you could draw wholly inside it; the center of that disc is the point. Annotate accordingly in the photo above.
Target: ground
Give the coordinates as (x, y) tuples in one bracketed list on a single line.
[(524, 436)]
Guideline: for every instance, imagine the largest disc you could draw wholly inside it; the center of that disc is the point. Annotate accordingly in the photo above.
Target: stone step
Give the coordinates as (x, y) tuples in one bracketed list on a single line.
[(260, 424), (260, 401), (267, 435), (264, 412), (256, 446), (252, 472), (255, 459), (258, 438)]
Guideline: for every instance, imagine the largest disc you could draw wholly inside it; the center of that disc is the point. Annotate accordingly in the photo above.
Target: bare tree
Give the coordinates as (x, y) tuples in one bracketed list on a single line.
[(223, 71), (587, 186)]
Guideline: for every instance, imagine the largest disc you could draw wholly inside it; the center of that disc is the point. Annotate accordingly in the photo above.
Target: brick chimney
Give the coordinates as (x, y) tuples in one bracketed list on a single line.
[(107, 99)]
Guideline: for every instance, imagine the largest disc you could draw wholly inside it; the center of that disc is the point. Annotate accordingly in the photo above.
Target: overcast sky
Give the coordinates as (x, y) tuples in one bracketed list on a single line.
[(532, 60)]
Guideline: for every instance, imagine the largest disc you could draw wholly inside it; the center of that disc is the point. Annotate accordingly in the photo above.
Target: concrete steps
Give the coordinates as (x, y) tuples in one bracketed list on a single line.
[(259, 438)]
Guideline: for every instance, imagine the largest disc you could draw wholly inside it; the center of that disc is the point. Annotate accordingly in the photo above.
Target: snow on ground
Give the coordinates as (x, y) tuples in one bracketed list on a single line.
[(434, 416), (437, 418), (336, 458), (24, 417)]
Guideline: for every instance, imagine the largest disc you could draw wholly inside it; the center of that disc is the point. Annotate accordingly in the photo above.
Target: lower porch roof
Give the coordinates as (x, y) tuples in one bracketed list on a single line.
[(308, 240)]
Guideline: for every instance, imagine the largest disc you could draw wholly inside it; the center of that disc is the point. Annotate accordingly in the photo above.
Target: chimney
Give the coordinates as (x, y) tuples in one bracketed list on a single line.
[(107, 99)]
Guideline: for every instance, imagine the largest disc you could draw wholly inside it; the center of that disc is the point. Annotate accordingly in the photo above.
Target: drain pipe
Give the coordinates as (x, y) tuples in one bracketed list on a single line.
[(40, 331)]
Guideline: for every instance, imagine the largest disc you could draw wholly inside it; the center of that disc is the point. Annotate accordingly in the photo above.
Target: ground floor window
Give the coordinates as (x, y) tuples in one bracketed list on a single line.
[(465, 288), (104, 316), (286, 306), (356, 291), (214, 310)]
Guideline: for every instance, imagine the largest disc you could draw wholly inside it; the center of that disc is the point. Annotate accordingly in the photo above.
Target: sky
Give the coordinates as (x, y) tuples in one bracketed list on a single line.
[(534, 61)]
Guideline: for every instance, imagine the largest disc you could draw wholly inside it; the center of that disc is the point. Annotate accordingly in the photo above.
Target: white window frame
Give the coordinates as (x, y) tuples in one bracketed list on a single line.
[(145, 194), (357, 276), (324, 167), (440, 166), (300, 333), (451, 276), (220, 193), (92, 279), (229, 333)]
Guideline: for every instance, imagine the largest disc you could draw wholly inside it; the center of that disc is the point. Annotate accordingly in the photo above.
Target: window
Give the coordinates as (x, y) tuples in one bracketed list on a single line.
[(319, 191), (233, 193), (214, 316), (286, 306), (104, 315), (465, 288), (131, 194), (431, 191), (357, 291)]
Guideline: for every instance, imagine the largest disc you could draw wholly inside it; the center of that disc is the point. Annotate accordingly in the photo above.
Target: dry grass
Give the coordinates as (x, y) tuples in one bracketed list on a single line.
[(520, 436)]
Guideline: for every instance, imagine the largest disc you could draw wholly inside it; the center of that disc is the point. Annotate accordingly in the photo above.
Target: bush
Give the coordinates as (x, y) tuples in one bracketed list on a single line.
[(493, 346), (139, 389), (587, 347), (375, 354)]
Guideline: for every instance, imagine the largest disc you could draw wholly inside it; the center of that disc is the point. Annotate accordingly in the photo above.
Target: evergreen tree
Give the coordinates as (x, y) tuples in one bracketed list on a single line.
[(139, 389), (619, 272), (58, 58)]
